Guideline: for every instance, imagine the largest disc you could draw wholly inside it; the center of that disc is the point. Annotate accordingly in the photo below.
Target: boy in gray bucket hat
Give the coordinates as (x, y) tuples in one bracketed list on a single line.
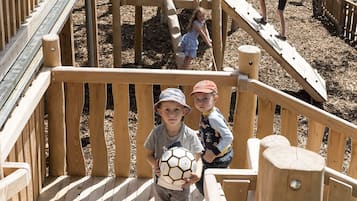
[(172, 131)]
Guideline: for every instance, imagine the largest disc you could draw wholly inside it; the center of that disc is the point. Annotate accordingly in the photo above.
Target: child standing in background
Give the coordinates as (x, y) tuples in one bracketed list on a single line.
[(214, 132), (172, 131), (189, 42)]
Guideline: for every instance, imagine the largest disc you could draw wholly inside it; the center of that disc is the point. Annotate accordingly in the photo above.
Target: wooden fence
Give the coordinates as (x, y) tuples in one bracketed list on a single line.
[(343, 13), (14, 13)]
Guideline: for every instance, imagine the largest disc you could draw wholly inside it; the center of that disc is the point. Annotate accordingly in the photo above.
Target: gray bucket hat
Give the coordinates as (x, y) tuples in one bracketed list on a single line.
[(172, 94)]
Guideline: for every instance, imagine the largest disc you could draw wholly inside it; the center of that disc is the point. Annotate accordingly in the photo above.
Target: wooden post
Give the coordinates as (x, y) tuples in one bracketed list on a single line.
[(217, 33), (138, 42), (265, 143), (246, 102), (56, 115), (291, 173)]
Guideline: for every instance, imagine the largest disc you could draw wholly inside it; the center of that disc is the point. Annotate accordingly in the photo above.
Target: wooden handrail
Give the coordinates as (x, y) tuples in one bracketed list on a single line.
[(17, 177)]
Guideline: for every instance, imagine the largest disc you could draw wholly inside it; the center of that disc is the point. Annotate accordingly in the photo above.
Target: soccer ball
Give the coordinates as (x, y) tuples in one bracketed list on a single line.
[(176, 164)]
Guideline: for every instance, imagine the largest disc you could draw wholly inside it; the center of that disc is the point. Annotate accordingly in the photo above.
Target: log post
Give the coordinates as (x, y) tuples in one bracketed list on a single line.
[(265, 143), (291, 173), (249, 57), (55, 107)]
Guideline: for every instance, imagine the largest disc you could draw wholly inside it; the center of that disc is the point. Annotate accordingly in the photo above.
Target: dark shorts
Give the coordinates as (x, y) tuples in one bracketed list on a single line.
[(282, 4)]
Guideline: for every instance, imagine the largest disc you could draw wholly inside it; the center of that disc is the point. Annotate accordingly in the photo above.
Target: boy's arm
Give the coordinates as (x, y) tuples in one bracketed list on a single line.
[(152, 161)]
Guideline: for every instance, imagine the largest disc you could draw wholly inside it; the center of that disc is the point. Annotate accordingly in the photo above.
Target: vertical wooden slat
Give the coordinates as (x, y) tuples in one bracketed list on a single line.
[(7, 24), (56, 109), (224, 33), (34, 159), (121, 131), (224, 100), (13, 158), (193, 118), (116, 33), (339, 191), (289, 125), (41, 131), (144, 102), (335, 150), (92, 32), (217, 33), (349, 21), (354, 25), (314, 135), (74, 105), (39, 123), (97, 97), (2, 28), (18, 13), (12, 10), (235, 189), (27, 159), (20, 158), (23, 10), (352, 171), (138, 42), (245, 111), (266, 111)]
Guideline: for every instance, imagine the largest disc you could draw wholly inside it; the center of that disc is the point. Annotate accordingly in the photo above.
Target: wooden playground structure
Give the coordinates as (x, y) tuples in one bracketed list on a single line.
[(49, 164)]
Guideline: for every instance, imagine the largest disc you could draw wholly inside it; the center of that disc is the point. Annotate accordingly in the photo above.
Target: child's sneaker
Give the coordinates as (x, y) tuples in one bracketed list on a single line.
[(260, 20)]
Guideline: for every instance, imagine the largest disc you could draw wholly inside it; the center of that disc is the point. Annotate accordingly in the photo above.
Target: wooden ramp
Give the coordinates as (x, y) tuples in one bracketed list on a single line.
[(286, 55), (68, 188)]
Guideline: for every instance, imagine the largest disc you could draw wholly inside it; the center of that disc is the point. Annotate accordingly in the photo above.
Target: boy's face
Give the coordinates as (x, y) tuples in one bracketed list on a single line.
[(171, 112), (204, 102), (201, 16)]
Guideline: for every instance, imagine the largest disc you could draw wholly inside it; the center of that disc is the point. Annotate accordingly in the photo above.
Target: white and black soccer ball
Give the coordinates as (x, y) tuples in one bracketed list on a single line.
[(176, 164)]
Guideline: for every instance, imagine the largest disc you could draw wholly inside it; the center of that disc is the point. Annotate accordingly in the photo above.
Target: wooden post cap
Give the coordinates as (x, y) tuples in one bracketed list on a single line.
[(294, 158), (273, 140), (290, 173), (51, 50), (249, 58)]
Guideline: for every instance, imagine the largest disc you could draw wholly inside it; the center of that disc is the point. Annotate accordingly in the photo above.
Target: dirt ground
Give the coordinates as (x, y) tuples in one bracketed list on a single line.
[(314, 38)]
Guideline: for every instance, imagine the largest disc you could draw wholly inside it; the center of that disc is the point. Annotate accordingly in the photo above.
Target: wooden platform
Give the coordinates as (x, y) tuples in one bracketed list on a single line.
[(68, 188)]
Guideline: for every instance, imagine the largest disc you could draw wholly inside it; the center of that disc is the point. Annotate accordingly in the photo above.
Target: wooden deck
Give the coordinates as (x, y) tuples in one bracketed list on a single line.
[(66, 188)]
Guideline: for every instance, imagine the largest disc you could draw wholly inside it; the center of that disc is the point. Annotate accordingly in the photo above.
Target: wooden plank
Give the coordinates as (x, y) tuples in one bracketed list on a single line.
[(243, 13), (289, 125), (339, 191), (266, 111), (139, 32), (52, 186), (121, 130), (2, 27), (116, 33), (236, 189), (76, 187), (224, 100), (34, 158), (335, 150), (13, 23), (120, 188), (40, 146), (141, 76), (18, 13), (56, 129), (352, 170), (301, 107), (20, 158), (27, 159), (74, 107), (193, 118), (7, 23), (145, 115), (315, 134), (217, 33), (97, 103)]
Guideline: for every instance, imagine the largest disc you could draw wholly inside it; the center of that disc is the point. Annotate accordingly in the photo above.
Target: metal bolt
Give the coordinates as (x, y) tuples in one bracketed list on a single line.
[(295, 184)]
